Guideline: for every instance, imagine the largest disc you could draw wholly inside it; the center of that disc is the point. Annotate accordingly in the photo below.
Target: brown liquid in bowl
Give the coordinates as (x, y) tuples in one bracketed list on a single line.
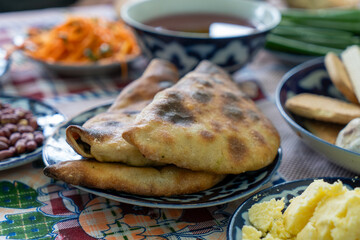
[(214, 25)]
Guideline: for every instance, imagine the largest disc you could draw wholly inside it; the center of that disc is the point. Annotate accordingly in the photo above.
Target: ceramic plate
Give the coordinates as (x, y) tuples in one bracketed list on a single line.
[(312, 77), (287, 190), (48, 119), (5, 63), (231, 188)]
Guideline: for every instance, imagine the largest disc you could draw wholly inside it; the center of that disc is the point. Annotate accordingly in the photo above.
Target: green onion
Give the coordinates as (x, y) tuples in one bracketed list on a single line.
[(279, 43), (316, 32)]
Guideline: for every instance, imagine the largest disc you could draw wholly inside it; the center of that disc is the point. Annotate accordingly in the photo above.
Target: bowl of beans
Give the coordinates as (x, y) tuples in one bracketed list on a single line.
[(24, 125)]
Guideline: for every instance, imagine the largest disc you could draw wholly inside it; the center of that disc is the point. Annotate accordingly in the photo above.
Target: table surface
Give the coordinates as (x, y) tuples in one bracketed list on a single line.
[(33, 206)]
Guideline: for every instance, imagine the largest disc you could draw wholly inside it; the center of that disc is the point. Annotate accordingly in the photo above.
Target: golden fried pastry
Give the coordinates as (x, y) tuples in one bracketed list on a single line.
[(324, 130), (100, 137), (323, 108), (205, 123), (149, 181), (339, 76)]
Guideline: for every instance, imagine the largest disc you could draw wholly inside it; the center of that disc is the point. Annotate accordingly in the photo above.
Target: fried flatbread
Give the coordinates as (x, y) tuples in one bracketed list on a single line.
[(162, 181), (205, 123), (100, 137)]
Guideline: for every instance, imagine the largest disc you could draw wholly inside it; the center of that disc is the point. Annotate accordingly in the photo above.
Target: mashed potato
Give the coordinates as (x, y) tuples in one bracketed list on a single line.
[(322, 212)]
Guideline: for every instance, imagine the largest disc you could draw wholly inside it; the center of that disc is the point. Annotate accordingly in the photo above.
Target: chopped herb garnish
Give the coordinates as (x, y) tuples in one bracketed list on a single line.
[(90, 55)]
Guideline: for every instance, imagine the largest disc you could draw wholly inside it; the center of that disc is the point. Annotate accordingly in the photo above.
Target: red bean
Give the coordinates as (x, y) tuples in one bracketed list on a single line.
[(39, 138), (33, 123), (28, 136), (8, 118), (12, 127), (23, 128), (14, 138), (20, 112), (4, 139), (7, 110), (6, 154), (7, 132), (31, 145), (3, 146), (20, 146)]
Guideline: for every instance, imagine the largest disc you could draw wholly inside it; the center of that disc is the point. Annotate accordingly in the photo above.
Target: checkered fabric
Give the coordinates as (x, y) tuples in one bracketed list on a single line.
[(48, 209)]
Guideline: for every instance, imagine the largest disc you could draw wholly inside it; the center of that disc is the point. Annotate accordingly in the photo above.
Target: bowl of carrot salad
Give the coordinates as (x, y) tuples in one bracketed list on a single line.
[(82, 45)]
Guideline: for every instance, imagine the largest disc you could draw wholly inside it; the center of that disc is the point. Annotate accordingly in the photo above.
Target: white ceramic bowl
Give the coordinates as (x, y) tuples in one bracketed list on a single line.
[(186, 49)]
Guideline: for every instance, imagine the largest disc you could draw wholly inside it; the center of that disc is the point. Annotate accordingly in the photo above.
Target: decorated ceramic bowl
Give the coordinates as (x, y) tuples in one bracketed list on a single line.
[(226, 45), (287, 190), (312, 77)]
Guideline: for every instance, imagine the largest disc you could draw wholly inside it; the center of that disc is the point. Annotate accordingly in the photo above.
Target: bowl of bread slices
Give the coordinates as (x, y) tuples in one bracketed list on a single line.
[(319, 99)]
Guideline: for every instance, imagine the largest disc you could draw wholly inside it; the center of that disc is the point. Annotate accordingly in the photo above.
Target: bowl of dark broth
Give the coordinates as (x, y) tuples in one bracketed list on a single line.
[(210, 25), (227, 32)]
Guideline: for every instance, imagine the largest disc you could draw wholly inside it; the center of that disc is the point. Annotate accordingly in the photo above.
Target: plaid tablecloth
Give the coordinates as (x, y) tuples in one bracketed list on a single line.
[(33, 206)]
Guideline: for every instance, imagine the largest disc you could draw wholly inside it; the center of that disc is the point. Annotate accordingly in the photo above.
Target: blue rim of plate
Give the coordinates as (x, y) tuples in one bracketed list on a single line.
[(48, 120), (230, 189), (5, 63), (315, 63), (287, 190)]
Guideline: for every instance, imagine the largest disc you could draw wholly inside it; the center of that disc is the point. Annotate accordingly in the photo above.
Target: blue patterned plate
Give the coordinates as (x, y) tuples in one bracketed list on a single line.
[(231, 188), (312, 77), (287, 190), (48, 119)]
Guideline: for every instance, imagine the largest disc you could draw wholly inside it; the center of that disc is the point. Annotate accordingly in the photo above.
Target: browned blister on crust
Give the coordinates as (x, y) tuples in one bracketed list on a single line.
[(149, 181), (101, 136), (205, 123)]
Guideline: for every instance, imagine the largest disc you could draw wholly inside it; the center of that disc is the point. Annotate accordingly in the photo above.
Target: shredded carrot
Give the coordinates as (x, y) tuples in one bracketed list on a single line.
[(82, 40)]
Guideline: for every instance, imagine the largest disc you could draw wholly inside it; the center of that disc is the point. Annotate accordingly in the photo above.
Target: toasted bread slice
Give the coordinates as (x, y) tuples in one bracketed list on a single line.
[(351, 60), (324, 130), (339, 76), (323, 108)]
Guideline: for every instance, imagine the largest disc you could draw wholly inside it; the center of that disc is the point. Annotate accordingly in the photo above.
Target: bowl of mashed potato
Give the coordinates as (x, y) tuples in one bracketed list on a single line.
[(309, 209)]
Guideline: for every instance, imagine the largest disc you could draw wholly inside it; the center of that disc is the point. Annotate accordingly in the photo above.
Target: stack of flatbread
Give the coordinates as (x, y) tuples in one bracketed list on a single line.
[(162, 137)]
